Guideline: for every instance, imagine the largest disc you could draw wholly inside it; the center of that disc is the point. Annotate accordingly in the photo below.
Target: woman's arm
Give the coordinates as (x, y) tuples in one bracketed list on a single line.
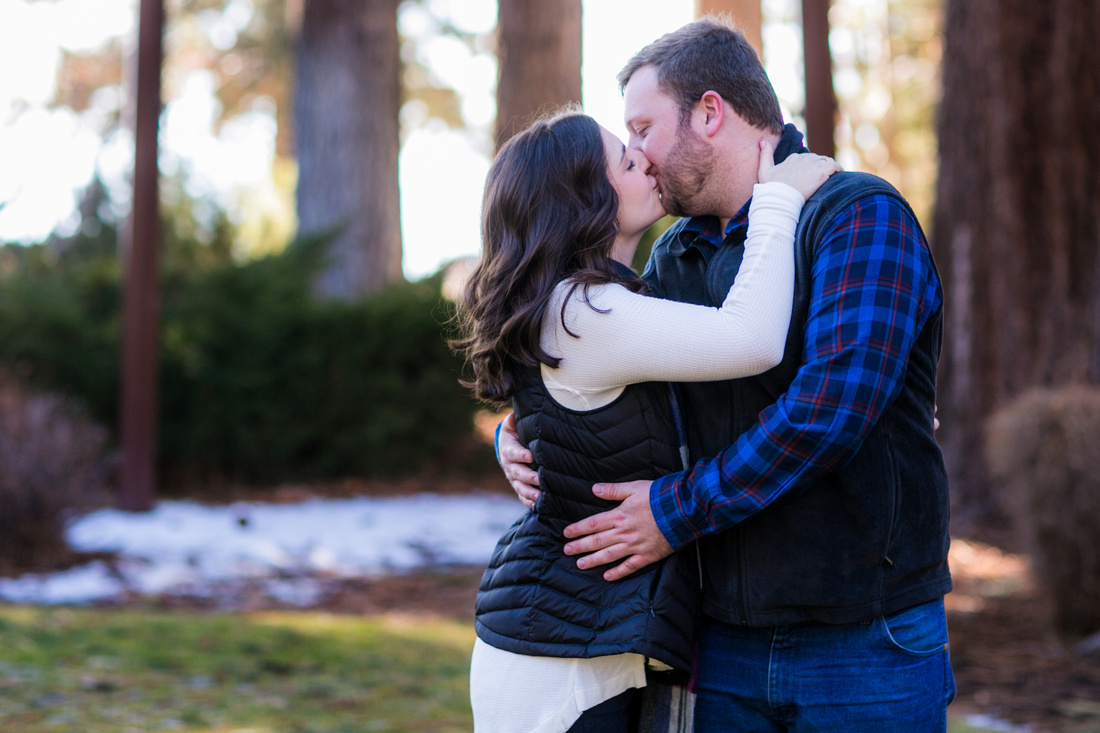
[(640, 339)]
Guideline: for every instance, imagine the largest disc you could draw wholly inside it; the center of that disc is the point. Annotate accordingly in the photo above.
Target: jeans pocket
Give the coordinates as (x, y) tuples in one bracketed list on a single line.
[(920, 631)]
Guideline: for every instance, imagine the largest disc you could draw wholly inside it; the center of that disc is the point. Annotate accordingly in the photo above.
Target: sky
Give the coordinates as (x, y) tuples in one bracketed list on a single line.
[(48, 155)]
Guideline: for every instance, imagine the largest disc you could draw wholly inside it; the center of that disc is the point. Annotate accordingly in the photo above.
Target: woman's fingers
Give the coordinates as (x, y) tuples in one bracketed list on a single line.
[(767, 161)]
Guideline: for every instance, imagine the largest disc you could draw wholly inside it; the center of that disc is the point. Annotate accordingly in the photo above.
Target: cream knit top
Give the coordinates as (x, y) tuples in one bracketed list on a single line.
[(642, 339)]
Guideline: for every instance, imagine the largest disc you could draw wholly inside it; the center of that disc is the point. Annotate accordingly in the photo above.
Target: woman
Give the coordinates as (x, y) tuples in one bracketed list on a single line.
[(556, 322)]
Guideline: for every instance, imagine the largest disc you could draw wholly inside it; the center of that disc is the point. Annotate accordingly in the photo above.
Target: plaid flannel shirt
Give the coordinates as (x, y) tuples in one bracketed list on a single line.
[(873, 288)]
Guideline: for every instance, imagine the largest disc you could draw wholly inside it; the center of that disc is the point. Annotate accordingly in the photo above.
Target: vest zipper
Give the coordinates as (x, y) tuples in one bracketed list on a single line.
[(685, 456), (742, 581), (699, 563)]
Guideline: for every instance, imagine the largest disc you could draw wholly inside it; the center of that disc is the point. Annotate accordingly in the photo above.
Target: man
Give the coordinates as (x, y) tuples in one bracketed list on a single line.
[(821, 516)]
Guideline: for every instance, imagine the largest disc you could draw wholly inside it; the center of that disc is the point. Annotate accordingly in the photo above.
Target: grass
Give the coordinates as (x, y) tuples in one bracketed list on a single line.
[(116, 671), (75, 670)]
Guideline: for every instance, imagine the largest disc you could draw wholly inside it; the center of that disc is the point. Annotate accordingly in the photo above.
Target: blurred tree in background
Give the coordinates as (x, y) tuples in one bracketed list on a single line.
[(238, 50), (260, 383), (1017, 226), (746, 14), (886, 58), (245, 52), (539, 57), (347, 101)]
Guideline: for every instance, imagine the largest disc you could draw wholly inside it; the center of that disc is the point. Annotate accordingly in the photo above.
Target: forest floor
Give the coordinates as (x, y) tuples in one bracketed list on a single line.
[(1008, 661)]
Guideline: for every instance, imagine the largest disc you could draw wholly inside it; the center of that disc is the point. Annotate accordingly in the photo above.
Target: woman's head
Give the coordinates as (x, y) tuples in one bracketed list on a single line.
[(640, 203), (550, 213), (548, 200)]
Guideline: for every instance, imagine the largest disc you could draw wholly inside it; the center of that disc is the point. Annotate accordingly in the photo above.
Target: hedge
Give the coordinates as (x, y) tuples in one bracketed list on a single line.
[(259, 382)]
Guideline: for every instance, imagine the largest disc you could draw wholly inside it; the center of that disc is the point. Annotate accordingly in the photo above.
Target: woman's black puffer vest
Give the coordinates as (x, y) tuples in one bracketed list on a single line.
[(533, 599)]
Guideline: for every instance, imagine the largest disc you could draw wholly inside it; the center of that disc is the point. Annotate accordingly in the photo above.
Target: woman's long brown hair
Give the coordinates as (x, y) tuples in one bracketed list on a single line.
[(549, 214)]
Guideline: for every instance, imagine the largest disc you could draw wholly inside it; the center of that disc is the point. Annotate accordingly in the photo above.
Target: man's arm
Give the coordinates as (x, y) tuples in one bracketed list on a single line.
[(873, 288)]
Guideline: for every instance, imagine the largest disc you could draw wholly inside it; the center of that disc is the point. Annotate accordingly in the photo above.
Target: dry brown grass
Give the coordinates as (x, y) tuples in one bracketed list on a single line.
[(52, 464), (1044, 450)]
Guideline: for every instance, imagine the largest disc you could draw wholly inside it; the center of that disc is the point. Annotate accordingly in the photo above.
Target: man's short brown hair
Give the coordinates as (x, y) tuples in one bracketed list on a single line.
[(711, 55)]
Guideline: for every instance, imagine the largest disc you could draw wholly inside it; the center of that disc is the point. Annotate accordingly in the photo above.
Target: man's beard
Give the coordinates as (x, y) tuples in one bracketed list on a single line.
[(688, 169)]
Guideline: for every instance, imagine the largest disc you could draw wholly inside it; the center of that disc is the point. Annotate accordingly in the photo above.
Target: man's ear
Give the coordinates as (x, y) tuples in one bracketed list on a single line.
[(713, 108)]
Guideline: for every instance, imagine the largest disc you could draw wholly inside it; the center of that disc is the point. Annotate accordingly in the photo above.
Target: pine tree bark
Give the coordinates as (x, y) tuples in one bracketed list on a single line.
[(347, 99), (539, 55), (1017, 222), (820, 111), (746, 14), (140, 249)]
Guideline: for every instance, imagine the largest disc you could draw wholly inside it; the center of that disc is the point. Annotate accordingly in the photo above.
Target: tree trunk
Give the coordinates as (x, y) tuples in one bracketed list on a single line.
[(539, 52), (1017, 223), (746, 15), (347, 99), (141, 298), (820, 112)]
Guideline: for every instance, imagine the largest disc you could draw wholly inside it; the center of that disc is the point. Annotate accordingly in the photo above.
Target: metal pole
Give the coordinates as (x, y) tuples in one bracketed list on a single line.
[(141, 314), (820, 110)]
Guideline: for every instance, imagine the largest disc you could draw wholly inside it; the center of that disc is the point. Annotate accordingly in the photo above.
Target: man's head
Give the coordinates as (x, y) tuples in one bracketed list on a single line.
[(697, 104), (710, 55)]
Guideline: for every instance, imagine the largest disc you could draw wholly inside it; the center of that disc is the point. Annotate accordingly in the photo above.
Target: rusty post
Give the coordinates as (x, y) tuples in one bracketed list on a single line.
[(141, 305)]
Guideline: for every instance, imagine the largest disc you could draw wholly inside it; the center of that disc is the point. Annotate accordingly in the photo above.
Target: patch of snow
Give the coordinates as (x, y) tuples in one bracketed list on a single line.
[(92, 582), (986, 722), (188, 548)]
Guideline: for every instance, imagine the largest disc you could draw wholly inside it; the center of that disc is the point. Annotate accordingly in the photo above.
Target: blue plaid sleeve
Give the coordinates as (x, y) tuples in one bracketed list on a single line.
[(873, 289)]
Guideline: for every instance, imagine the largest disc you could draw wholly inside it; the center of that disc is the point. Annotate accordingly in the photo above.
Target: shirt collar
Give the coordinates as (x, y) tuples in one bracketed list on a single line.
[(708, 228), (622, 270)]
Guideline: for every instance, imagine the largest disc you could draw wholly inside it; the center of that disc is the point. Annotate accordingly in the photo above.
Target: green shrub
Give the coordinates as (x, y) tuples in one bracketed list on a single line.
[(260, 382), (59, 323)]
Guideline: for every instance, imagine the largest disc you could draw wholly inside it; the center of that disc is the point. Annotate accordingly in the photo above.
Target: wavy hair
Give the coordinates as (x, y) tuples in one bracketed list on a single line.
[(548, 215)]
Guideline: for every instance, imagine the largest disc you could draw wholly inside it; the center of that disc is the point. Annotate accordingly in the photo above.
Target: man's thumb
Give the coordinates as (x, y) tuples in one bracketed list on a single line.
[(604, 491)]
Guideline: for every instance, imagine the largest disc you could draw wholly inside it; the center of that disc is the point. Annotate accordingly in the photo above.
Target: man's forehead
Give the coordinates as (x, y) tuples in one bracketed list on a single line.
[(644, 82), (643, 95)]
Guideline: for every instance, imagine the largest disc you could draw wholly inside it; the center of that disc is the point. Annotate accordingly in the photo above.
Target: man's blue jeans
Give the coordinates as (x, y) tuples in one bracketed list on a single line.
[(892, 674)]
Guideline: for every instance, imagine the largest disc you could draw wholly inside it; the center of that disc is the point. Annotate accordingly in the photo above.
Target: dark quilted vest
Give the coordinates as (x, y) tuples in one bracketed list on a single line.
[(533, 599), (866, 539)]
